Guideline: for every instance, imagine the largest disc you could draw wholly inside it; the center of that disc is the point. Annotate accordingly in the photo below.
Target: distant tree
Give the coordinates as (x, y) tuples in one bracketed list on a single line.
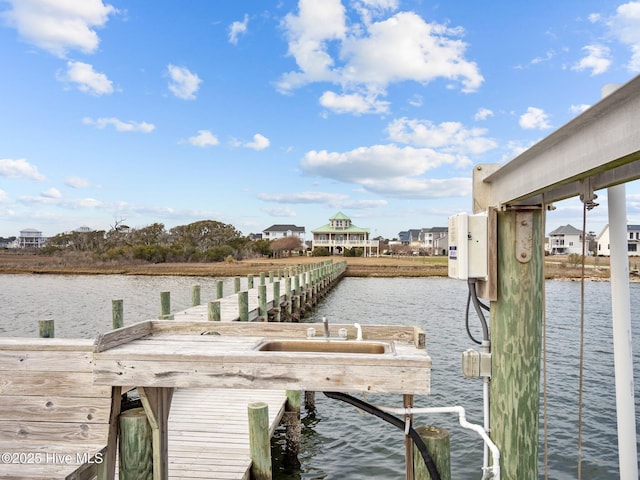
[(154, 234), (286, 244), (261, 247), (205, 234)]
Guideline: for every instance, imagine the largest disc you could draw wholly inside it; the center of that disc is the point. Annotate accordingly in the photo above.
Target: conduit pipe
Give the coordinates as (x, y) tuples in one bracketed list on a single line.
[(462, 417)]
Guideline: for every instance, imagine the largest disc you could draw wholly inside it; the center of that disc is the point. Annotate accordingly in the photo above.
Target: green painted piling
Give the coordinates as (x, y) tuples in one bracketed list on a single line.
[(213, 311), (117, 314), (259, 441), (271, 276), (195, 295), (262, 302), (219, 289), (276, 301), (437, 441), (165, 306), (243, 305), (46, 328), (135, 446), (236, 284), (262, 278), (249, 282)]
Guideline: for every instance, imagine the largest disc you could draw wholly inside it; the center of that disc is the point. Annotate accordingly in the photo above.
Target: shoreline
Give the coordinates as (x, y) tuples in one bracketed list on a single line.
[(381, 267)]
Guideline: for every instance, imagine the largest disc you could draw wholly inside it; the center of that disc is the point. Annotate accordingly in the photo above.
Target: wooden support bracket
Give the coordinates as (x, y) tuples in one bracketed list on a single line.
[(157, 402)]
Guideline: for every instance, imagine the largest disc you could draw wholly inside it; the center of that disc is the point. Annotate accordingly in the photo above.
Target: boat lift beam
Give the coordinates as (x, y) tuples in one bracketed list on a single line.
[(598, 149)]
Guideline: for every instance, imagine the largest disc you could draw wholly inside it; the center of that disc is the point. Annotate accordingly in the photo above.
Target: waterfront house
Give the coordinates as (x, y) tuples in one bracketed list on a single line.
[(435, 240), (341, 234), (275, 232), (31, 238), (565, 240), (633, 241)]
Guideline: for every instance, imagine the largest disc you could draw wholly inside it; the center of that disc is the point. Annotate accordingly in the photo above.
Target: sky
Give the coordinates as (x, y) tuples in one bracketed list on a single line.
[(287, 112)]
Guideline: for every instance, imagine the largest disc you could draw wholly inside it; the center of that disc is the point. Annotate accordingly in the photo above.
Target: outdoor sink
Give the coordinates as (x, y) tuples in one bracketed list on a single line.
[(326, 346)]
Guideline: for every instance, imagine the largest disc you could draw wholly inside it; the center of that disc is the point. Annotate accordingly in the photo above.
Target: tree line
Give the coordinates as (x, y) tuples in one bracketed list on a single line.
[(202, 241)]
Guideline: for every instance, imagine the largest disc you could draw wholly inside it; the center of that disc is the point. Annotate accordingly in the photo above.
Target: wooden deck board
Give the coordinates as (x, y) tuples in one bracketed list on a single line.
[(209, 431)]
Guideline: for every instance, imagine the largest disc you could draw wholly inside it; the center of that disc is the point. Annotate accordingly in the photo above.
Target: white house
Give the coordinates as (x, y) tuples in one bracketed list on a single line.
[(633, 241), (340, 234), (435, 240), (31, 238), (565, 240), (275, 232)]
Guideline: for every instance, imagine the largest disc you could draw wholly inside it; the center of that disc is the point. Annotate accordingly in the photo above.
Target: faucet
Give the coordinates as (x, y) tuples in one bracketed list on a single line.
[(326, 327), (359, 328)]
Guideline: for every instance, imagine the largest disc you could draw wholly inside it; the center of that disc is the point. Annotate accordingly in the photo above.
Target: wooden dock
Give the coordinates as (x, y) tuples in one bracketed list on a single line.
[(209, 431)]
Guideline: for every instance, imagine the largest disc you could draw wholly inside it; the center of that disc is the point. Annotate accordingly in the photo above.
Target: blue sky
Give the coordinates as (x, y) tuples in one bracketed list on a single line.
[(260, 113)]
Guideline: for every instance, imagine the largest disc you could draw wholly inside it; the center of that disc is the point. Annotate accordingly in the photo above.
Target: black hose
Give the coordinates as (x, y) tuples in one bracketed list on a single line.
[(466, 321), (397, 422)]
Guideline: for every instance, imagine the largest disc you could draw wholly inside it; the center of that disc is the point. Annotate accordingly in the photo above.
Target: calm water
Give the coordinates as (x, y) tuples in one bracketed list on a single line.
[(338, 441)]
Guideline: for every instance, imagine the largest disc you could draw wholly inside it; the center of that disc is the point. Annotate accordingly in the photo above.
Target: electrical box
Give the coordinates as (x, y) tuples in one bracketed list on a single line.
[(476, 364), (468, 246)]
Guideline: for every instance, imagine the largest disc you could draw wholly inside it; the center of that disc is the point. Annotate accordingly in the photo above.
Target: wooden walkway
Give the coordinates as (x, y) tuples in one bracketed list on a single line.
[(209, 431)]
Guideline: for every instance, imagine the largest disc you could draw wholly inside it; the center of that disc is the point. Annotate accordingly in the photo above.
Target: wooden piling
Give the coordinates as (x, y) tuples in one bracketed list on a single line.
[(293, 428), (135, 446), (249, 282), (262, 303), (309, 401), (195, 295), (219, 289), (117, 314), (236, 284), (46, 328), (213, 311), (243, 306), (276, 301), (165, 306), (259, 441), (437, 442), (516, 333)]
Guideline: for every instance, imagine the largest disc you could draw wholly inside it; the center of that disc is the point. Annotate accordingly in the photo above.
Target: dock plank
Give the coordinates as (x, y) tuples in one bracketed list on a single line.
[(209, 431)]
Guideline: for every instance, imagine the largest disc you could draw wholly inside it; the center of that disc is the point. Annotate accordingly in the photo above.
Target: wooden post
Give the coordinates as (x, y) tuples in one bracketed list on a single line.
[(236, 284), (262, 302), (157, 403), (213, 311), (243, 305), (293, 432), (165, 306), (276, 301), (407, 401), (271, 276), (117, 314), (288, 298), (219, 289), (135, 446), (249, 282), (262, 278), (516, 333), (195, 295), (437, 442), (309, 401), (46, 328), (259, 441)]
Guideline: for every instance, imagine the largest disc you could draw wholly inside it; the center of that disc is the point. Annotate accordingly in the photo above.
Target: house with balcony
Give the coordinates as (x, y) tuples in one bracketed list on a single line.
[(274, 232), (565, 240), (31, 238), (341, 234), (435, 240), (633, 241)]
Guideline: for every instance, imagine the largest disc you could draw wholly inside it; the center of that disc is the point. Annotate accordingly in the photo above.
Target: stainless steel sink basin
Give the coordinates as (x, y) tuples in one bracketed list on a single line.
[(326, 346)]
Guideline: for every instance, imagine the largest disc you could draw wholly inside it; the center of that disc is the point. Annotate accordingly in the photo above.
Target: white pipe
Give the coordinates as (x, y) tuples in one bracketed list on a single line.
[(487, 423), (495, 453), (622, 351)]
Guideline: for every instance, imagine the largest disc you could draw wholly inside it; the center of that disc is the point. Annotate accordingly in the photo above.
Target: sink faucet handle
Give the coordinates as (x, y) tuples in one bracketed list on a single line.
[(359, 329)]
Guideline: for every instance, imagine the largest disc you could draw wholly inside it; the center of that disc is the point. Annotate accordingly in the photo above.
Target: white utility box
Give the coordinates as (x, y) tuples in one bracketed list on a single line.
[(468, 246)]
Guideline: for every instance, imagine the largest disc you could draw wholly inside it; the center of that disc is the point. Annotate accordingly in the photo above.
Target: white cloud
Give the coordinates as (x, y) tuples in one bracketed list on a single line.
[(52, 193), (371, 56), (578, 109), (597, 59), (535, 118), (183, 84), (625, 25), (483, 114), (78, 182), (449, 137), (353, 103), (260, 142), (87, 79), (280, 212), (59, 26), (19, 168), (303, 197), (4, 197), (119, 125), (238, 28), (421, 187), (204, 139)]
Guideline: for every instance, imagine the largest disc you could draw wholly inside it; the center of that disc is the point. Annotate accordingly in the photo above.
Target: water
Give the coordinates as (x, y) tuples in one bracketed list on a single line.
[(340, 442)]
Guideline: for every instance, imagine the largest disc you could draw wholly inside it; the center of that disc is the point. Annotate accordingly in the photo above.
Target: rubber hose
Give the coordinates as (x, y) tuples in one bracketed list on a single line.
[(397, 422)]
